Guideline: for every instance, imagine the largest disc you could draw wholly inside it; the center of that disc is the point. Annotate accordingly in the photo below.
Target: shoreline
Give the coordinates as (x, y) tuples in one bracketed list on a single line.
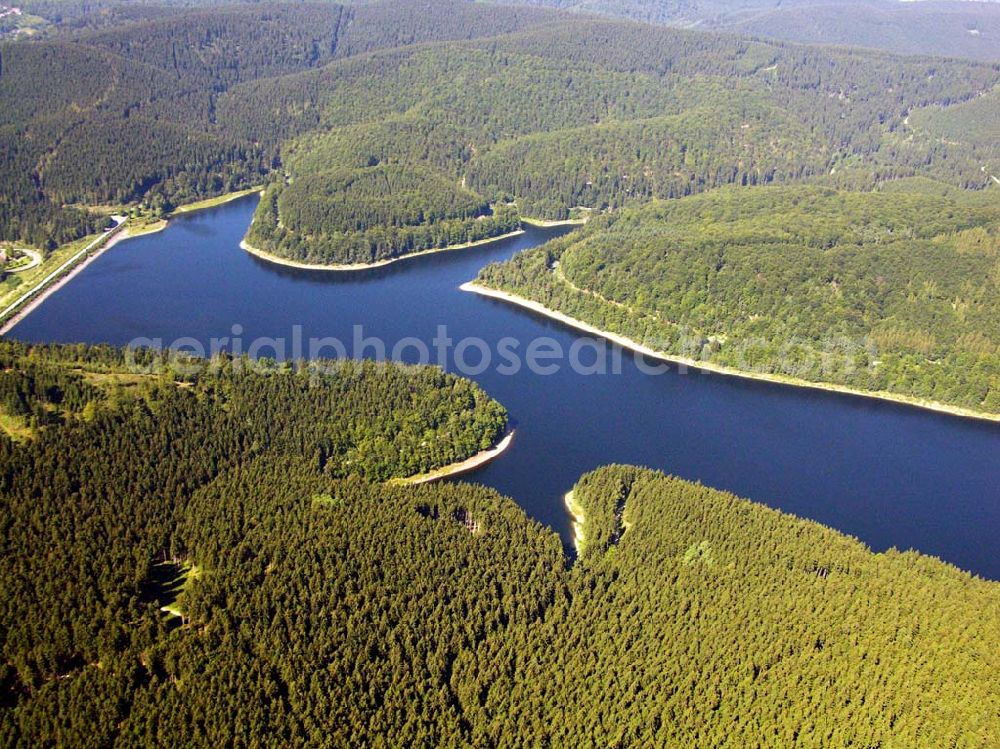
[(36, 298), (55, 281), (575, 512), (628, 343), (541, 223), (355, 267), (200, 205), (465, 466)]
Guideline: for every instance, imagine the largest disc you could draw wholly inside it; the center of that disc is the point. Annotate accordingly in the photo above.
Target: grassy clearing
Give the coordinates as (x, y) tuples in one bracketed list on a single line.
[(109, 379), (16, 285), (138, 227), (170, 580), (575, 219), (212, 202), (16, 427)]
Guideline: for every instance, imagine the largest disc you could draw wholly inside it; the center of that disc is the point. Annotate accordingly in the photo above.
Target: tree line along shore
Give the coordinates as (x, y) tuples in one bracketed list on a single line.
[(237, 527)]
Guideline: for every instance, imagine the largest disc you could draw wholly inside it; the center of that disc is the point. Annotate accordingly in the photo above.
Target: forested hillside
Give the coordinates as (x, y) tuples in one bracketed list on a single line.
[(949, 28), (597, 114), (891, 291), (971, 124), (211, 559), (496, 107), (219, 553), (371, 214), (128, 113)]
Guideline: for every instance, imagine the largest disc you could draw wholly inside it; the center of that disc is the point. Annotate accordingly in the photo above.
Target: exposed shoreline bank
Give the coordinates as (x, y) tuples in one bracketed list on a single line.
[(576, 512), (47, 290), (455, 469), (200, 205), (545, 224), (355, 267), (50, 286), (628, 343)]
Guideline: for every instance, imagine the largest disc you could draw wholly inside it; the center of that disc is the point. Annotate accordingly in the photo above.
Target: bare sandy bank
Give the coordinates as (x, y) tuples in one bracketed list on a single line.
[(628, 343), (200, 205), (576, 512), (61, 276), (469, 464), (66, 272), (544, 224), (353, 267)]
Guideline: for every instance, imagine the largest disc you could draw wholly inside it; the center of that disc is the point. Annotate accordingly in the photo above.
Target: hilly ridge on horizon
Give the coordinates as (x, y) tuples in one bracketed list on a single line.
[(948, 28)]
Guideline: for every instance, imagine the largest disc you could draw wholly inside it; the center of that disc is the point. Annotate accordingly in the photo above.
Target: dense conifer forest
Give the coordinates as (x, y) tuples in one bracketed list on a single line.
[(895, 290), (599, 114), (371, 214), (494, 107), (218, 553), (130, 112), (948, 29), (211, 557)]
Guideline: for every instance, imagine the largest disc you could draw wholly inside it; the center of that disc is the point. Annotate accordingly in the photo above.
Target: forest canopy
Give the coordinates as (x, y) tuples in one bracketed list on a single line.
[(515, 111), (221, 556), (599, 115), (216, 560), (895, 291), (130, 112)]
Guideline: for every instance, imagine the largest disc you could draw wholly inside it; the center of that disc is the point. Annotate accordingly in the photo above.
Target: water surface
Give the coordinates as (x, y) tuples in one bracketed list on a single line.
[(888, 474)]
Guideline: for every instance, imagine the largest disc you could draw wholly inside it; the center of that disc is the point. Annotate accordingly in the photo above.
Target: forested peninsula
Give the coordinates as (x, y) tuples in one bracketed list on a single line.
[(892, 293), (204, 553), (484, 114)]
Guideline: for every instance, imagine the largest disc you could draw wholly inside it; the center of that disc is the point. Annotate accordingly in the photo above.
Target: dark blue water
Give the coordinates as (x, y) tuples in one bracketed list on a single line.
[(888, 474)]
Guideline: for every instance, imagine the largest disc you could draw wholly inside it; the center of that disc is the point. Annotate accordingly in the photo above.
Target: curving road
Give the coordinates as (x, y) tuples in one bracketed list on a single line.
[(36, 259), (58, 272)]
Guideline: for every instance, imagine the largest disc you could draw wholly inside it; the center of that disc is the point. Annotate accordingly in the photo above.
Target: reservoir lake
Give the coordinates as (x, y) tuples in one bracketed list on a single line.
[(889, 474)]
